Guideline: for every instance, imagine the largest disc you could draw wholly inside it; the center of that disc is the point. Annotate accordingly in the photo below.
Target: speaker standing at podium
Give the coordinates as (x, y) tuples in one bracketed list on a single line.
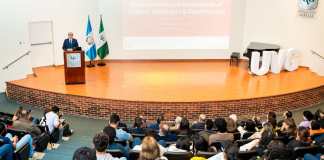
[(70, 43)]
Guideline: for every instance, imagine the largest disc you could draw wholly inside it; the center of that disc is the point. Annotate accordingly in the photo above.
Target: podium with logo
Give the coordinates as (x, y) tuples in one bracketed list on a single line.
[(74, 67)]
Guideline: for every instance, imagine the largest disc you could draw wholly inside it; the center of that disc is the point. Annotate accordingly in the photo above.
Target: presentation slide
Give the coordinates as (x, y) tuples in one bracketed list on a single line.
[(176, 24)]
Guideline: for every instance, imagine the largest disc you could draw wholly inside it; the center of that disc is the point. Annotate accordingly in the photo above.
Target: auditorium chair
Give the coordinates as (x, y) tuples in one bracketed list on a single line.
[(299, 152), (235, 58), (221, 145), (178, 155), (247, 155), (205, 154), (115, 152), (243, 141), (141, 136), (133, 155)]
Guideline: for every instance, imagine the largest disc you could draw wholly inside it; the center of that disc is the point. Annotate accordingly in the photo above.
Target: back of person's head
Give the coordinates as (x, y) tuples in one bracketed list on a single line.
[(100, 142), (266, 134), (231, 125), (150, 149), (221, 125), (308, 115), (111, 133), (178, 120), (24, 114), (164, 129), (84, 153), (55, 109), (302, 134), (151, 133), (277, 150), (249, 125), (202, 117), (209, 124), (231, 151), (18, 111), (291, 126), (234, 117), (183, 143), (315, 125), (114, 118), (272, 118), (184, 124), (138, 122), (200, 143), (287, 114)]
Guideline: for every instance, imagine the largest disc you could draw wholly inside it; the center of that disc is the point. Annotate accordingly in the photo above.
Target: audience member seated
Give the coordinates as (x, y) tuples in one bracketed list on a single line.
[(53, 123), (183, 145), (200, 125), (14, 142), (257, 121), (100, 142), (272, 119), (286, 115), (247, 126), (200, 143), (111, 132), (24, 123), (277, 150), (308, 117), (156, 125), (138, 127), (17, 114), (319, 116), (209, 124), (84, 153), (121, 135), (231, 126), (301, 140), (165, 135), (230, 153), (288, 128), (221, 134), (176, 126), (150, 149), (260, 139), (184, 128), (317, 132)]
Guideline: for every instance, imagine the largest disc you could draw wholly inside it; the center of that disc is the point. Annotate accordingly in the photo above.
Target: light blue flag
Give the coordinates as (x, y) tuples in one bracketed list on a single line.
[(91, 45)]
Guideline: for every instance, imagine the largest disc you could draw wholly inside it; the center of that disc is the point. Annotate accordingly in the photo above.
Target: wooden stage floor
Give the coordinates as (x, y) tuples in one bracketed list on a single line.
[(173, 81)]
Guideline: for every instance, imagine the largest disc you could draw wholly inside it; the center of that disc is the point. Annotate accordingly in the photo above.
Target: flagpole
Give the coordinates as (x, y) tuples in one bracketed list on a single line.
[(102, 61)]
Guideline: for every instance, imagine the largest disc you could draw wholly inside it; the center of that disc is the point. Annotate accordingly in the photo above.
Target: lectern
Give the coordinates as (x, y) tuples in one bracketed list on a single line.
[(74, 67)]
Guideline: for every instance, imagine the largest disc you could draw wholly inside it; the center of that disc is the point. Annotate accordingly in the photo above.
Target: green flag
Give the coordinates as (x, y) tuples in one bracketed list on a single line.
[(103, 49)]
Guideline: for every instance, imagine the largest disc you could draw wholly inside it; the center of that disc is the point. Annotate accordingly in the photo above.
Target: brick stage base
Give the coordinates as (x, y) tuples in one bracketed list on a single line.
[(128, 110)]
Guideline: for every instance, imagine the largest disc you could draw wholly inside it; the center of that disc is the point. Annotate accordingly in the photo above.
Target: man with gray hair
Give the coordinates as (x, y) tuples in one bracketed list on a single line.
[(70, 43)]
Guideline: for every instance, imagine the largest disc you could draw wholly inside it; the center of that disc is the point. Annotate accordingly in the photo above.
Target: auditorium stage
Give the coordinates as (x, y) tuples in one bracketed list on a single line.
[(187, 88)]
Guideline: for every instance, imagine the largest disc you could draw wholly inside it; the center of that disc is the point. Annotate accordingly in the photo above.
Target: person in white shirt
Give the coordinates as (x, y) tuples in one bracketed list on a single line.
[(52, 119)]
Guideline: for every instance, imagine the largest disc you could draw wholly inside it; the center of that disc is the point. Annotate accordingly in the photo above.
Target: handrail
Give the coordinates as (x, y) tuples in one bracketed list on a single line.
[(313, 52), (16, 60)]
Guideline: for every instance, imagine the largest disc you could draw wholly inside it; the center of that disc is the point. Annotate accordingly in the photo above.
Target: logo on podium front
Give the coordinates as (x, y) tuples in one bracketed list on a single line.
[(73, 60)]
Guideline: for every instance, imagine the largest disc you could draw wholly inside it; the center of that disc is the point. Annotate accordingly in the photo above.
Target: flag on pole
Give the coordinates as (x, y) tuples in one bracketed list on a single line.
[(103, 49), (91, 46)]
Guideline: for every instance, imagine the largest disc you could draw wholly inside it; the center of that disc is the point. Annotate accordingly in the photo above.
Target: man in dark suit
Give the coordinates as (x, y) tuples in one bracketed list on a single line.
[(70, 43)]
